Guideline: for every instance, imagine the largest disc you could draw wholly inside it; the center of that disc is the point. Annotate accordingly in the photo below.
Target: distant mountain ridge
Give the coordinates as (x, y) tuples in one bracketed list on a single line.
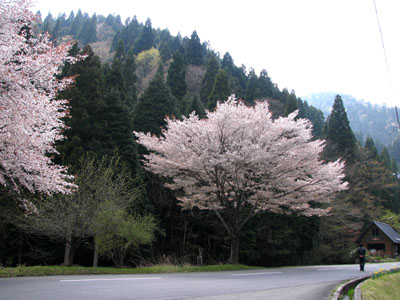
[(366, 119)]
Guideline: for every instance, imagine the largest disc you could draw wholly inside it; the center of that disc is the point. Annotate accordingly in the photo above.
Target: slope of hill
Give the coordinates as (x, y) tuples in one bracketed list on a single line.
[(366, 119)]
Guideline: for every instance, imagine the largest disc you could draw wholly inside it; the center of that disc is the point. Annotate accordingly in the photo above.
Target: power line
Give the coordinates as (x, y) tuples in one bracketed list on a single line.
[(386, 60)]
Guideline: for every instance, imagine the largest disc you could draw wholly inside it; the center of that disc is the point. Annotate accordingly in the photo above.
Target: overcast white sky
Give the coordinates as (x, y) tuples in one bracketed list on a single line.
[(308, 46)]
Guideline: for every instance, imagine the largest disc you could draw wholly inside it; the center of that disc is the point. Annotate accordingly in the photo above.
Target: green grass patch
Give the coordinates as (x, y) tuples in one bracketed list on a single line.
[(77, 270), (385, 287)]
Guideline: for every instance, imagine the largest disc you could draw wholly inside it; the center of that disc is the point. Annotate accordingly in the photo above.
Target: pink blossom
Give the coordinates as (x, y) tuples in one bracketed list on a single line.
[(30, 117)]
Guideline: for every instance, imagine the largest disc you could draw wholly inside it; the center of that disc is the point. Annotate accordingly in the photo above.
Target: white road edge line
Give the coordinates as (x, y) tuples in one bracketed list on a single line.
[(252, 274), (109, 279), (329, 269)]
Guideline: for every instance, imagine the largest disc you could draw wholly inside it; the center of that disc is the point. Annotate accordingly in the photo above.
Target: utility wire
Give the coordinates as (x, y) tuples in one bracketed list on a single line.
[(386, 60)]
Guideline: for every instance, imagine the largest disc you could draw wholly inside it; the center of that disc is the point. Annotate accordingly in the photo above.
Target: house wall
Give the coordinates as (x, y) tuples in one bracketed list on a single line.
[(370, 239)]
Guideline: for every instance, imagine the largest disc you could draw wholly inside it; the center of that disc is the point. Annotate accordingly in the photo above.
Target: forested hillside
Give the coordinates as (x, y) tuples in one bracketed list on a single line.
[(132, 77), (366, 120)]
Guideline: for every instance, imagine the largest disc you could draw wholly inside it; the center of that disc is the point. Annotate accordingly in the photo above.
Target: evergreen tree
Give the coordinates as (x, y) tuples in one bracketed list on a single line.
[(252, 88), (119, 117), (131, 32), (220, 91), (371, 149), (291, 103), (76, 24), (88, 32), (196, 107), (154, 106), (209, 78), (120, 52), (165, 51), (316, 116), (227, 63), (129, 74), (48, 23), (70, 20), (340, 138), (176, 76), (265, 86), (176, 44), (87, 129), (146, 39), (194, 51)]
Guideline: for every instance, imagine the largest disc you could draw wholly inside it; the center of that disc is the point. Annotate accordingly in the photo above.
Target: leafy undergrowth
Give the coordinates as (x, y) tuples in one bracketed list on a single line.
[(77, 270), (384, 287)]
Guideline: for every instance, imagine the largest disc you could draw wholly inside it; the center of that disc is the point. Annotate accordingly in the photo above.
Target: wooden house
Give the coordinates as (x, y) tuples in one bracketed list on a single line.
[(380, 238)]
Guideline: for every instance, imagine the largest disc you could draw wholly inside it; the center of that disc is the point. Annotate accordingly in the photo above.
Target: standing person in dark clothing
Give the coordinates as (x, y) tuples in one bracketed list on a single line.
[(361, 254)]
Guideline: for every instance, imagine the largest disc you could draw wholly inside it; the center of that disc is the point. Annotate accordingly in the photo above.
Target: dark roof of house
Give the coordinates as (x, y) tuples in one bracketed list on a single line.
[(386, 229), (389, 231)]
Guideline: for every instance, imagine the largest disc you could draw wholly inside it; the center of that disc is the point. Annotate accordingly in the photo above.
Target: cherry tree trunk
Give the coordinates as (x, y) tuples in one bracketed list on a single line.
[(235, 241), (67, 250), (95, 257)]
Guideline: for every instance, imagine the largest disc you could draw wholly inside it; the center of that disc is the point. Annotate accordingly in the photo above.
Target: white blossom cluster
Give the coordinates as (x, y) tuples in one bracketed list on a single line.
[(29, 114), (239, 157)]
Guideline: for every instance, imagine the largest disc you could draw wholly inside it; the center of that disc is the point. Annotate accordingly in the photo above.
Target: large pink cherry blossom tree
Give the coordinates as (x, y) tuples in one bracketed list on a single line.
[(30, 117), (239, 161)]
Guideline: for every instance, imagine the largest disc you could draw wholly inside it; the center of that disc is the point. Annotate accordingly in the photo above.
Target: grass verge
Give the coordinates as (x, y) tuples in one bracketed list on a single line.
[(77, 270), (385, 287)]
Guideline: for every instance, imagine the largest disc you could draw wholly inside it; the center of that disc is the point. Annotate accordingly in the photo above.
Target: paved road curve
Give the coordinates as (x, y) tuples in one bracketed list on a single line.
[(314, 282)]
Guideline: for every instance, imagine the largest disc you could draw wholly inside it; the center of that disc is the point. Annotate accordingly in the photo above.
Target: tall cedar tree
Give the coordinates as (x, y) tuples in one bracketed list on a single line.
[(88, 32), (209, 78), (196, 107), (252, 91), (291, 103), (130, 78), (118, 115), (220, 91), (265, 85), (146, 38), (76, 25), (86, 131), (339, 136), (227, 63), (194, 51), (129, 34), (176, 76), (153, 106)]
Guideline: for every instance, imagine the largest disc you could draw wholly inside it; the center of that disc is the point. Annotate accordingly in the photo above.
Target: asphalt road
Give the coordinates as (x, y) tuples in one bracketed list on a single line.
[(308, 283)]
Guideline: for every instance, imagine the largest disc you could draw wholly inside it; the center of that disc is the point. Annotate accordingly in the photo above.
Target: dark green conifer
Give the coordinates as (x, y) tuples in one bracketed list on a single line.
[(220, 91), (194, 51), (265, 85), (196, 107), (76, 24), (252, 91), (371, 149), (154, 106), (176, 76), (88, 33), (119, 117), (120, 52), (291, 103), (209, 78), (146, 38), (340, 137), (87, 129), (227, 63), (130, 78)]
